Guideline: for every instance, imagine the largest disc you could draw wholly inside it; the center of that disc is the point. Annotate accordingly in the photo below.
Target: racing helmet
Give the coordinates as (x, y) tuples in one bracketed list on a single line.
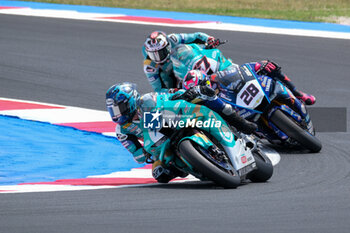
[(193, 78), (157, 46), (121, 102)]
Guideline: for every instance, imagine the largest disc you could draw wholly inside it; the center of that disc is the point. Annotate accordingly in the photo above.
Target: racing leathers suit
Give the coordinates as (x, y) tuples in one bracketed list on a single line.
[(194, 57), (209, 61), (270, 69), (160, 75), (273, 70), (130, 134)]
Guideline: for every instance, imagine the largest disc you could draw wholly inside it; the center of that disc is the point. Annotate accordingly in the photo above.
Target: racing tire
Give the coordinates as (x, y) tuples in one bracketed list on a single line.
[(293, 130), (207, 168), (264, 169)]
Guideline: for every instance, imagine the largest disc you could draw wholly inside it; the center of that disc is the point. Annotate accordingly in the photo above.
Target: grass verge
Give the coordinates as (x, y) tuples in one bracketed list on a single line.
[(335, 11)]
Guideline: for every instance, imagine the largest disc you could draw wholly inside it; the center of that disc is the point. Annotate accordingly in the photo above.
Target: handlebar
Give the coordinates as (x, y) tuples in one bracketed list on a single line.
[(220, 43), (223, 42)]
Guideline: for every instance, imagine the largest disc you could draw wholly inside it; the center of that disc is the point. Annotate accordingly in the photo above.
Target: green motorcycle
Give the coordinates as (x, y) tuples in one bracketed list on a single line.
[(196, 140)]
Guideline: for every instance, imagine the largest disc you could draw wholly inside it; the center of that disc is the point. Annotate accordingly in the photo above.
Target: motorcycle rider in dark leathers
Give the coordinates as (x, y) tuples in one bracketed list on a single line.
[(273, 70)]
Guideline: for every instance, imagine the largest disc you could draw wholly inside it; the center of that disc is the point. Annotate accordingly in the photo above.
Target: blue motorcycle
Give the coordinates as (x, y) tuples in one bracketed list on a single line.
[(281, 117)]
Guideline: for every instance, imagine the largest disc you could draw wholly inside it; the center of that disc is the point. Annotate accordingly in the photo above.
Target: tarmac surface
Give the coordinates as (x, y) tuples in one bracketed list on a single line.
[(73, 62)]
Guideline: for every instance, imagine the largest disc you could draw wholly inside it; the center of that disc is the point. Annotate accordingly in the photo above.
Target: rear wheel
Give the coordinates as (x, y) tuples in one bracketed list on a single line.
[(222, 177), (293, 130)]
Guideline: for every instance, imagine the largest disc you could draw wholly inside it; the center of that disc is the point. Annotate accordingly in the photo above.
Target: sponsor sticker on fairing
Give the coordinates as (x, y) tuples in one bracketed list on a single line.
[(246, 70)]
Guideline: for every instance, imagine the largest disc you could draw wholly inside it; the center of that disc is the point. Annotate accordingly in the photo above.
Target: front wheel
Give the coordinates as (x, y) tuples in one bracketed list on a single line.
[(293, 130), (264, 168), (208, 169)]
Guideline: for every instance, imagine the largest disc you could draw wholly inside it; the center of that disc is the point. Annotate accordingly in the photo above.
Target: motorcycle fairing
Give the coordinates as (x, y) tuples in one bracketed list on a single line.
[(200, 139), (239, 155), (265, 82), (243, 157)]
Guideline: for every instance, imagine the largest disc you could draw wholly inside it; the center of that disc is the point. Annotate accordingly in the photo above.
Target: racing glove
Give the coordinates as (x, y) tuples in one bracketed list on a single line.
[(173, 90), (212, 43), (190, 94), (203, 92), (206, 90), (268, 68)]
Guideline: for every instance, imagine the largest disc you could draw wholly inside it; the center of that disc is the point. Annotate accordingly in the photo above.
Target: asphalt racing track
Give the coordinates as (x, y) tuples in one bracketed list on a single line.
[(73, 62)]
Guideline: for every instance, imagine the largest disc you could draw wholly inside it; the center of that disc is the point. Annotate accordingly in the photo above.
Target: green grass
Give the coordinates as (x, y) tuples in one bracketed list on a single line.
[(301, 10)]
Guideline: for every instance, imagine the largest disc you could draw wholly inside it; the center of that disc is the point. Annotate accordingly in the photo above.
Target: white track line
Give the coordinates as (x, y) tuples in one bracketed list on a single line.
[(213, 25)]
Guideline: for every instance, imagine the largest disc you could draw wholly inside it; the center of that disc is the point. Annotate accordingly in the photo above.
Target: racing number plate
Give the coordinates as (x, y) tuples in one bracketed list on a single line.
[(245, 170), (250, 95)]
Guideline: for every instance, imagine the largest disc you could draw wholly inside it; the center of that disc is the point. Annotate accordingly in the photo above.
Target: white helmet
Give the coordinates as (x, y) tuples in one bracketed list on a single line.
[(157, 46)]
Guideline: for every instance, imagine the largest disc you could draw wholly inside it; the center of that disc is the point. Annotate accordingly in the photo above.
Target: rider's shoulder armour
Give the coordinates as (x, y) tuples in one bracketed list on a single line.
[(175, 39)]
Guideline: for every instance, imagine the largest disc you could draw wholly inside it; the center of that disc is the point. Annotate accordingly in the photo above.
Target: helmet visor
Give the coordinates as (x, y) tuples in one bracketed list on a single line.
[(117, 110), (160, 55)]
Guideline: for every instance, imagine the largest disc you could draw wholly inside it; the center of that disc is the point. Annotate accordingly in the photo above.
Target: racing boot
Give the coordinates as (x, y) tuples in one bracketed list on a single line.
[(161, 173), (306, 98), (241, 124), (273, 70), (226, 111)]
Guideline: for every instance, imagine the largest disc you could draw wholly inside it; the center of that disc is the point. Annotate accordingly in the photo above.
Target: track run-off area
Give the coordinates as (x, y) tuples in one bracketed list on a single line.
[(63, 67)]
